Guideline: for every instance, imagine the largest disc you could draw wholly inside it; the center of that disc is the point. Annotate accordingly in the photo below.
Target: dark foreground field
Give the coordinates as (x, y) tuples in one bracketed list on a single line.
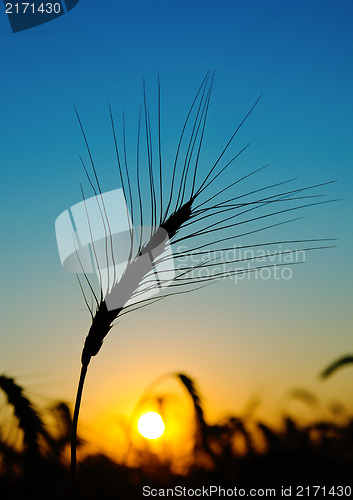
[(236, 453)]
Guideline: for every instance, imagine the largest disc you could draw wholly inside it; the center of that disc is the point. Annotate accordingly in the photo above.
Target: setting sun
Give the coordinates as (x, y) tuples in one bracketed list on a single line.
[(151, 425)]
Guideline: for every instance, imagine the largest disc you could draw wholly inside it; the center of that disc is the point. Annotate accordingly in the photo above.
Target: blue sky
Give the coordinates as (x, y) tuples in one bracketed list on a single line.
[(299, 54)]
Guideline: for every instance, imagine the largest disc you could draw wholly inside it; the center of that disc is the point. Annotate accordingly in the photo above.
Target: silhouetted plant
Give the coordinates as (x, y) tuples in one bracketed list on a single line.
[(188, 207), (28, 418), (63, 428), (303, 395), (336, 365), (203, 430)]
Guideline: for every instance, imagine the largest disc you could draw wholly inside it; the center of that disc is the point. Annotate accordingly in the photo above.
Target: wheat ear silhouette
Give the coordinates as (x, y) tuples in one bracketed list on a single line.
[(189, 207)]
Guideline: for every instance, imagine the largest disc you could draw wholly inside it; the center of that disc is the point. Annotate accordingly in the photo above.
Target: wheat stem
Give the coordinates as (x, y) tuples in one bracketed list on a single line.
[(74, 427)]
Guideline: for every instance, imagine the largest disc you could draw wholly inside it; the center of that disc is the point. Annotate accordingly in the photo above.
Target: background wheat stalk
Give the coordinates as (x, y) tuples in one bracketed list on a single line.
[(187, 207)]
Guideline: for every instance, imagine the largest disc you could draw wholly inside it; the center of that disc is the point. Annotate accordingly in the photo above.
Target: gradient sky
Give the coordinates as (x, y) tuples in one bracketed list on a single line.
[(256, 338)]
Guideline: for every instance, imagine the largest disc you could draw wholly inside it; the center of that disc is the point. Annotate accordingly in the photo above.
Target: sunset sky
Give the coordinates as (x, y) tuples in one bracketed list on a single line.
[(240, 341)]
